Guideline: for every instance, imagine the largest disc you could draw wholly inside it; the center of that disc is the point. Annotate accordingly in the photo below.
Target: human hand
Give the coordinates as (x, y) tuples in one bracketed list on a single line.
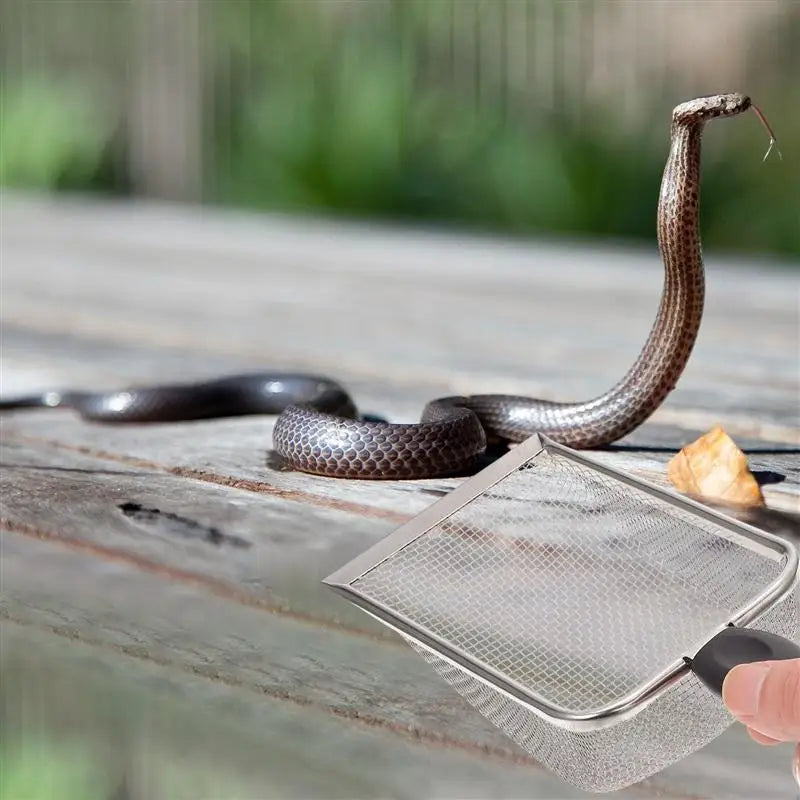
[(765, 696)]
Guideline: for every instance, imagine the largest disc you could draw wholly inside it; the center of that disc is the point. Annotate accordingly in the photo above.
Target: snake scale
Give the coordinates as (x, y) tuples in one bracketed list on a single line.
[(319, 430)]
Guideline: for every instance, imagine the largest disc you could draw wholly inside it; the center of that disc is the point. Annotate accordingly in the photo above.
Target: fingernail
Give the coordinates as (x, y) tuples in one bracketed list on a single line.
[(742, 688)]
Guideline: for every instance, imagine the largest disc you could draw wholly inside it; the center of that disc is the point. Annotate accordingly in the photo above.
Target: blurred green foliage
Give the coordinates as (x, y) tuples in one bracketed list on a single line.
[(52, 133), (345, 118), (49, 771), (49, 768)]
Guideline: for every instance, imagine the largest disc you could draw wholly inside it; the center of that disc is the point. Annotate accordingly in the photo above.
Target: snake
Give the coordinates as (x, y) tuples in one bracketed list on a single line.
[(319, 430)]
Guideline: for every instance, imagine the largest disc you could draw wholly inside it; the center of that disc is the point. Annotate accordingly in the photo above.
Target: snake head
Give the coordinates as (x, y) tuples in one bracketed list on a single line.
[(702, 109)]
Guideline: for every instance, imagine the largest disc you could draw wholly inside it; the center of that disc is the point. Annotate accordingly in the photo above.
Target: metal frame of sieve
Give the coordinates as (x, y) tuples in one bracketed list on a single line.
[(739, 533)]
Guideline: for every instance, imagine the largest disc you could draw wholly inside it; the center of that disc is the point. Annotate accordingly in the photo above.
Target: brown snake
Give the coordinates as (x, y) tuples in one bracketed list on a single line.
[(319, 431)]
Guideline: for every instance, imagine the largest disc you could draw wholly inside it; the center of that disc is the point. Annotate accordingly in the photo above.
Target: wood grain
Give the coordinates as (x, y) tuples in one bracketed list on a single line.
[(181, 560), (121, 611), (464, 314), (188, 734)]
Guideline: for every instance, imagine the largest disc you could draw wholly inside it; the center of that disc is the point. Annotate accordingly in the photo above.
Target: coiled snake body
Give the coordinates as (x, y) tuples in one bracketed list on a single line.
[(319, 431)]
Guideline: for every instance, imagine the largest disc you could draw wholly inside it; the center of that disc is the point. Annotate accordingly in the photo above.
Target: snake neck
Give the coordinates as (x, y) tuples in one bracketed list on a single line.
[(672, 337), (655, 372)]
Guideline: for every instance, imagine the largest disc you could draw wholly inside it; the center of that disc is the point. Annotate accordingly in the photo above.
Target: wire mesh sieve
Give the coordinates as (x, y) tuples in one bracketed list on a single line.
[(564, 600)]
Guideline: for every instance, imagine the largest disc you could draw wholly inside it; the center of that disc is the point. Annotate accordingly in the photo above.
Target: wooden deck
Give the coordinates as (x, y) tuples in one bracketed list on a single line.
[(161, 598)]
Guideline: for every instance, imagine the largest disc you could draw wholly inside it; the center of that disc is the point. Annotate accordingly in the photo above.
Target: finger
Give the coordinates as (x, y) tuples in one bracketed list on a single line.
[(760, 738), (765, 696)]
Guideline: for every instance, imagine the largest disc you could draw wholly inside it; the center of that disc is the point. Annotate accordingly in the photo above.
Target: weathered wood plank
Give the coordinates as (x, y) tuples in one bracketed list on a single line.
[(466, 314), (257, 548), (33, 360), (200, 737), (337, 676), (184, 545), (111, 603), (454, 313), (239, 452), (268, 547)]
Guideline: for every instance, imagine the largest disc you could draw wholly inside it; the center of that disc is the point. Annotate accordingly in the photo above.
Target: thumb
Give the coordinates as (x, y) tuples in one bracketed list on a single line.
[(765, 696)]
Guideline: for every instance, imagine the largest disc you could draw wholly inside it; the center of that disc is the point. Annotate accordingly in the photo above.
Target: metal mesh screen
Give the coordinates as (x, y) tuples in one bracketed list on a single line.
[(582, 587), (679, 721), (570, 583)]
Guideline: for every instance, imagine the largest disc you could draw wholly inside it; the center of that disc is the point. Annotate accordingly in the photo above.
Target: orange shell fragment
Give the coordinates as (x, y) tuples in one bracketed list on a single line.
[(714, 468)]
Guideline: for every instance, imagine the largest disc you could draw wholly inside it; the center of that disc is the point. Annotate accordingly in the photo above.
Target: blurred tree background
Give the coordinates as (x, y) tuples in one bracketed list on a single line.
[(525, 117)]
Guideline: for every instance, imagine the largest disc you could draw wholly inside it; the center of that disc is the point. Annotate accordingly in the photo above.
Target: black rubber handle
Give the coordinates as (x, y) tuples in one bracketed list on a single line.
[(734, 646)]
